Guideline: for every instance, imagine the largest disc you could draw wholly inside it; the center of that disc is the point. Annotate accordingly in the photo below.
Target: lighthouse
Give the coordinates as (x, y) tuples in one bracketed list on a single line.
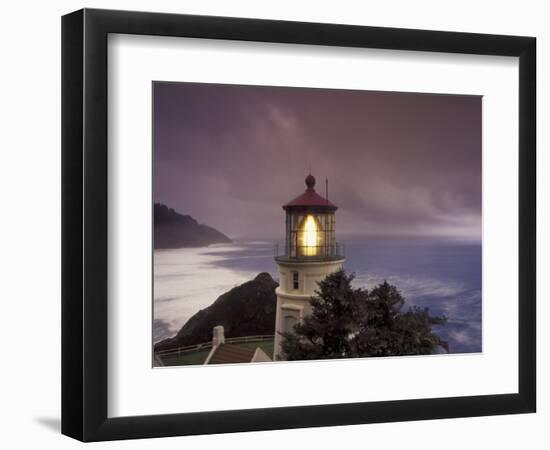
[(310, 254)]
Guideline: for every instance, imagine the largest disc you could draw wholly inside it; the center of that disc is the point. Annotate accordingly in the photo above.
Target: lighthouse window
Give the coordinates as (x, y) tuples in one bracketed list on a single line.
[(295, 282)]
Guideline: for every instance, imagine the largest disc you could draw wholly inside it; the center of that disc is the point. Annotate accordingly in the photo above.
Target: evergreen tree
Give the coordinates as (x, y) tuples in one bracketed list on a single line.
[(348, 322)]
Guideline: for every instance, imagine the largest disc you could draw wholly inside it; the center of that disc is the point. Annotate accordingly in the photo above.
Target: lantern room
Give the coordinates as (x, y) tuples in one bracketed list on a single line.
[(310, 227)]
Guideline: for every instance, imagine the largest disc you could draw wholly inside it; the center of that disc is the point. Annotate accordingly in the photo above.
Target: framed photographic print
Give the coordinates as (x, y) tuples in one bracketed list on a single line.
[(273, 224)]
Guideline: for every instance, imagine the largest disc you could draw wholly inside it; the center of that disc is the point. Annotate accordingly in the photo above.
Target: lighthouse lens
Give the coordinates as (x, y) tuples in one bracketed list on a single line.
[(310, 236)]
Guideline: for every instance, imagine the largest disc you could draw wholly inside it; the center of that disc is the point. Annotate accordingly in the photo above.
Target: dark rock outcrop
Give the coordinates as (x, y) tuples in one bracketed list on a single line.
[(174, 230), (245, 310)]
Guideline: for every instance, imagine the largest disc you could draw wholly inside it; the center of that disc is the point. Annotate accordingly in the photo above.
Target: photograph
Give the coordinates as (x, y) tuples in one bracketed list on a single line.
[(261, 225), (296, 223)]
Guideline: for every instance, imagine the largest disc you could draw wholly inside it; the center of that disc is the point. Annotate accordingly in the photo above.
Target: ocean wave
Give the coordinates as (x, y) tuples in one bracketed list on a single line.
[(414, 286)]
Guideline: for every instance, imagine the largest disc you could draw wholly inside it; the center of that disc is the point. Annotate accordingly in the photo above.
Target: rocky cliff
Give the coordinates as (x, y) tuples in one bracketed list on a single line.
[(245, 310)]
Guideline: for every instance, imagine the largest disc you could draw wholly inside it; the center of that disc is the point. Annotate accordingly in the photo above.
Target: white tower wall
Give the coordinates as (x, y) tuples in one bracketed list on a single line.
[(298, 283)]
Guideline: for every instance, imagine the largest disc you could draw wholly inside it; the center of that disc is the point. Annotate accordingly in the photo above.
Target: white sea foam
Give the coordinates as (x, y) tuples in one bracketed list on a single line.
[(187, 280)]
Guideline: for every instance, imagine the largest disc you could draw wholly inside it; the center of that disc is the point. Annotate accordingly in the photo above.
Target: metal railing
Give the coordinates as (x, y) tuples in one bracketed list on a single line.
[(309, 252), (208, 345)]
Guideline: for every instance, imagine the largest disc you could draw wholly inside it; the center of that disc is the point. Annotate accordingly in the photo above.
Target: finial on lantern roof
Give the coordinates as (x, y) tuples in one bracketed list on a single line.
[(310, 182), (310, 198)]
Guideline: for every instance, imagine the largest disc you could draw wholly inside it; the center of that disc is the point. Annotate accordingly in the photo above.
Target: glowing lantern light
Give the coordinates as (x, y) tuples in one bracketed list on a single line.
[(310, 236)]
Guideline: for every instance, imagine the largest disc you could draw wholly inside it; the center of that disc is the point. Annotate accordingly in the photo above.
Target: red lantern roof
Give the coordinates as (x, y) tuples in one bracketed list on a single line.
[(310, 198)]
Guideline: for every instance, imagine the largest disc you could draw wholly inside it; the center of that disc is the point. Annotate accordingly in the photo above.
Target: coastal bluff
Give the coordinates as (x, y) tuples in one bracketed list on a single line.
[(245, 310), (174, 230)]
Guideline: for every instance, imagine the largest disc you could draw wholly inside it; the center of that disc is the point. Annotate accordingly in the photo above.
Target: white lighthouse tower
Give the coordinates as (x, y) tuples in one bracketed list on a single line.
[(310, 254)]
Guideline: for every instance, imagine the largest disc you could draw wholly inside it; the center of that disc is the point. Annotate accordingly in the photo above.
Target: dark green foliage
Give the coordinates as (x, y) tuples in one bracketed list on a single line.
[(346, 322)]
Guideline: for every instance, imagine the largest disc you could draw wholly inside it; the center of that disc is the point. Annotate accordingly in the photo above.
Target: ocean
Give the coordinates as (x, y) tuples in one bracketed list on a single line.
[(443, 276)]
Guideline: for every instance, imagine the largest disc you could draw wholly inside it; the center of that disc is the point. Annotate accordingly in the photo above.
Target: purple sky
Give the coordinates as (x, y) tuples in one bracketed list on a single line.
[(398, 164)]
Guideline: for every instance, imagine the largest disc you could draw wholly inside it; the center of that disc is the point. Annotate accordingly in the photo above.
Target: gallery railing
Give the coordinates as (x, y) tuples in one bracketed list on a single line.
[(285, 252)]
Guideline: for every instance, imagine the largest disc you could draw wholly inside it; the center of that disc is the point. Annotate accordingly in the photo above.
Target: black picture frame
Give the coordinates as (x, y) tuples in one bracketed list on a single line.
[(84, 224)]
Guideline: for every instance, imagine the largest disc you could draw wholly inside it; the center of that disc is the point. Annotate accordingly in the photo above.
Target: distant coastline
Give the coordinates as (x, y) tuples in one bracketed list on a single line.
[(173, 230)]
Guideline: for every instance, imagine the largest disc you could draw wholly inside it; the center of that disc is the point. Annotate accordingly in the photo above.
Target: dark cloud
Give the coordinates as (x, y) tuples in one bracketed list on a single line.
[(398, 163)]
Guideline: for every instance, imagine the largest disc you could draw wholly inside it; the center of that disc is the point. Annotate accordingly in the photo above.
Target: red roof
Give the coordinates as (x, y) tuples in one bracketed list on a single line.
[(310, 197)]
